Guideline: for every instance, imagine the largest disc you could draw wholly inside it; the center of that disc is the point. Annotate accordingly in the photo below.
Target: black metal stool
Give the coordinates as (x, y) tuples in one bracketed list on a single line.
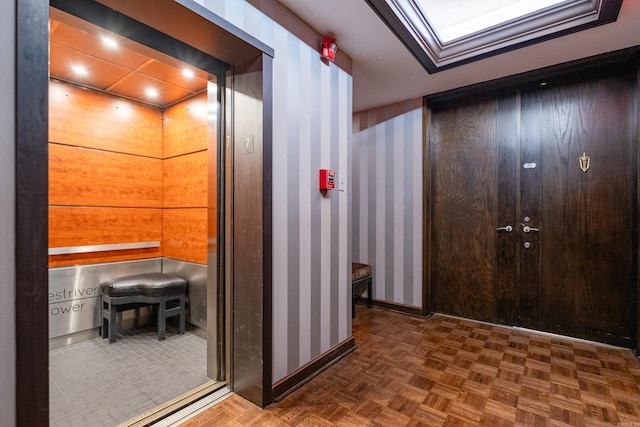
[(124, 293)]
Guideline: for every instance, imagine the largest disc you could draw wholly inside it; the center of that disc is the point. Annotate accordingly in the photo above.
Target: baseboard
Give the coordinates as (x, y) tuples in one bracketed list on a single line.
[(73, 338), (303, 374), (406, 309)]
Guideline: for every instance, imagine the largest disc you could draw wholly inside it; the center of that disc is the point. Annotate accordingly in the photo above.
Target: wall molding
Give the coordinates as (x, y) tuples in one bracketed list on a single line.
[(302, 375), (400, 308)]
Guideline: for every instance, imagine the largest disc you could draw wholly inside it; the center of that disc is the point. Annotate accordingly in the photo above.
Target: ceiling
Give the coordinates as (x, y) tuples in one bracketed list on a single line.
[(384, 71), (126, 71)]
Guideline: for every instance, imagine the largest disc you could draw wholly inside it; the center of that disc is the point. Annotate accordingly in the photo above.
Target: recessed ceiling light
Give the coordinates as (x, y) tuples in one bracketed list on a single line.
[(79, 70), (109, 42), (151, 92), (188, 73)]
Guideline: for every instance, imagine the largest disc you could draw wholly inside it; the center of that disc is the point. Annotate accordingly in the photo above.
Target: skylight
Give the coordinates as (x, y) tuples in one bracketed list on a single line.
[(452, 20), (443, 34)]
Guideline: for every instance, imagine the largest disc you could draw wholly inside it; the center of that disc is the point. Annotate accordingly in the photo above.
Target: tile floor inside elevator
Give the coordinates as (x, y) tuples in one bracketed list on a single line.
[(94, 383)]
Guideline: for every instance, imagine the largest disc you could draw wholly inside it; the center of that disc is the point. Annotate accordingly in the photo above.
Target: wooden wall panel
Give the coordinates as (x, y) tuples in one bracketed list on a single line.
[(87, 177), (185, 174), (106, 167), (185, 127), (184, 183), (90, 119), (185, 234), (100, 226)]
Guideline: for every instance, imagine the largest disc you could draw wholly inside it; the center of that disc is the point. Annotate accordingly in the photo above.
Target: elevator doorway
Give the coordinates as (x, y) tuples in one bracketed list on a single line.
[(133, 188)]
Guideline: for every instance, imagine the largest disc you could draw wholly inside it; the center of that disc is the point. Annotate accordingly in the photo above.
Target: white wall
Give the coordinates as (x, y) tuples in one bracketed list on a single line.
[(312, 129), (7, 205)]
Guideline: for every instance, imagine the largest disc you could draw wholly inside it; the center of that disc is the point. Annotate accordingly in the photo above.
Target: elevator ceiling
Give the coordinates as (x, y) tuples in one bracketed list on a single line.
[(88, 56)]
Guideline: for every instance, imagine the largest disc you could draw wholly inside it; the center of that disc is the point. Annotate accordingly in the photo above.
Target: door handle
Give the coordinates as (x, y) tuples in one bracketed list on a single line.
[(528, 229), (508, 228)]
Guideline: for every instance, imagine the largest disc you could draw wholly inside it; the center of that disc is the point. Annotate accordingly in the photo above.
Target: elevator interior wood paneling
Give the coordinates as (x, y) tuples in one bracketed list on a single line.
[(130, 191), (519, 233)]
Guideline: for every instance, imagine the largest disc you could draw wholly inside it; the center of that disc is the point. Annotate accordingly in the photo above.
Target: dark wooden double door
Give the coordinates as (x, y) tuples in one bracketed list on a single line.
[(519, 233)]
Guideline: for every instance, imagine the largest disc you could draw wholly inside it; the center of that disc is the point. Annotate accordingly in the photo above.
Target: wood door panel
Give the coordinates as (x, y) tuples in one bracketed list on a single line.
[(507, 251), (588, 217), (529, 200), (464, 155)]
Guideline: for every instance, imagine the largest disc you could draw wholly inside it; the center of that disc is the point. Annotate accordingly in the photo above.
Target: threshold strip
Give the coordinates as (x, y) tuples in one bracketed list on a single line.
[(195, 408), (176, 405)]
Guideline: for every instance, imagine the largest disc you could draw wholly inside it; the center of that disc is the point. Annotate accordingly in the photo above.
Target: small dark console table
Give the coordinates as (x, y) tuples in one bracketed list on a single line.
[(361, 274)]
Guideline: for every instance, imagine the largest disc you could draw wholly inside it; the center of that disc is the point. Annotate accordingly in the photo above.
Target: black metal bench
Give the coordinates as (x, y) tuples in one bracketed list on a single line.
[(123, 293)]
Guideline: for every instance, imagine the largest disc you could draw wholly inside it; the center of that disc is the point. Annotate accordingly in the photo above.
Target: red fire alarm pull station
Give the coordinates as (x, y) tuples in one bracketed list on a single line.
[(327, 179)]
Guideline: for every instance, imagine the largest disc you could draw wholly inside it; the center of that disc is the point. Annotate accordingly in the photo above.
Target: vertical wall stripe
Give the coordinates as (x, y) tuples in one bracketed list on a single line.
[(372, 209), (234, 14), (388, 233), (8, 315), (252, 18), (344, 246), (303, 101), (389, 207), (354, 194), (280, 217), (316, 219), (350, 199), (399, 209), (335, 212), (293, 202), (325, 158), (418, 194), (214, 6), (362, 241), (310, 102), (408, 203), (380, 224)]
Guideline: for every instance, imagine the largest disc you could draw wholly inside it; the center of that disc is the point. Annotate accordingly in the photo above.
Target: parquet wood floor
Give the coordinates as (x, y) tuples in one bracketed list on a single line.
[(445, 371)]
